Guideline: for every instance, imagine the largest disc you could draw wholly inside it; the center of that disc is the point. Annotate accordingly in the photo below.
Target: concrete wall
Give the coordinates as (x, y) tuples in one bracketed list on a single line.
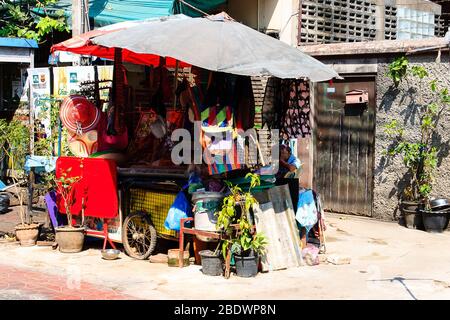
[(245, 12), (402, 105), (275, 15), (280, 16)]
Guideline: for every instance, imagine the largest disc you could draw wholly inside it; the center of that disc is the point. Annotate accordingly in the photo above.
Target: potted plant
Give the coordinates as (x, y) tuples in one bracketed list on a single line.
[(245, 244), (212, 262), (14, 141), (69, 238), (420, 155)]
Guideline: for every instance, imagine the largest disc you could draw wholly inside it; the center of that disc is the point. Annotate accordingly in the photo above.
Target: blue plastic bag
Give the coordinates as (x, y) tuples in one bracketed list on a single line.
[(180, 209)]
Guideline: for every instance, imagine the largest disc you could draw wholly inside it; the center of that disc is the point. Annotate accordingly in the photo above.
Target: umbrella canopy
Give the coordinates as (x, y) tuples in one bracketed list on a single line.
[(83, 45), (218, 43)]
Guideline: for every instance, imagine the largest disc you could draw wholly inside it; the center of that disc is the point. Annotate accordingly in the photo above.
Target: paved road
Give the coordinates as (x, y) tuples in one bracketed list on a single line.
[(21, 284), (387, 262)]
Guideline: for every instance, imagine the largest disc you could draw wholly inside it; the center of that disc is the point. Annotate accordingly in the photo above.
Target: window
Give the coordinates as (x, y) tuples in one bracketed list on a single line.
[(414, 24)]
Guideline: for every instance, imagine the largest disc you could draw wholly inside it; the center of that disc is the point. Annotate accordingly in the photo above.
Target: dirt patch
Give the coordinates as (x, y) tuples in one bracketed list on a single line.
[(332, 239), (374, 256), (342, 231), (378, 241), (440, 283)]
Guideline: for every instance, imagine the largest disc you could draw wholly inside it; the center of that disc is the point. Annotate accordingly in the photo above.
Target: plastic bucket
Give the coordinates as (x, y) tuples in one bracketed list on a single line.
[(246, 266), (435, 221), (413, 219), (206, 205), (212, 264)]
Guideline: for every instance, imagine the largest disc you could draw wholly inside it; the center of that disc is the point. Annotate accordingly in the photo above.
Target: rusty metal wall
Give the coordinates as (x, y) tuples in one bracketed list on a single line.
[(344, 147)]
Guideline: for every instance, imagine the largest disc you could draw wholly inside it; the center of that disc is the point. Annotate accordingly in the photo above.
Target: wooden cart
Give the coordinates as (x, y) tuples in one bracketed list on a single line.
[(144, 198)]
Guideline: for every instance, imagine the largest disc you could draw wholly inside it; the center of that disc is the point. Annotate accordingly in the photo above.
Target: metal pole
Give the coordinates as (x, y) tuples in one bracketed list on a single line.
[(175, 85), (300, 11), (31, 174), (1, 85), (77, 22)]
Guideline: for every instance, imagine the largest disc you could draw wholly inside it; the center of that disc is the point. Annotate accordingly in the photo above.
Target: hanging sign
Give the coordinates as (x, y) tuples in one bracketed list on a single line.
[(39, 86)]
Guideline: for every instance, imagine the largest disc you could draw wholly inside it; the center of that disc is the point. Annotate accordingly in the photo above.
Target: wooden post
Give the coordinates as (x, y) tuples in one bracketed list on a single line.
[(228, 262), (76, 17)]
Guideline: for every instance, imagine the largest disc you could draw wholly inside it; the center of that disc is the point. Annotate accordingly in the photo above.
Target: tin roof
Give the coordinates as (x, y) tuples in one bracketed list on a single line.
[(18, 43)]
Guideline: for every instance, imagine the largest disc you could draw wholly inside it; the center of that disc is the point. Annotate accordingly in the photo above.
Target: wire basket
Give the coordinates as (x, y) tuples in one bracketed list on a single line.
[(157, 204)]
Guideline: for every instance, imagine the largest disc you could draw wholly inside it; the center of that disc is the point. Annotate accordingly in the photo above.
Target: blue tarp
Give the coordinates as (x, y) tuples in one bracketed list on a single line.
[(208, 6), (40, 163), (106, 12)]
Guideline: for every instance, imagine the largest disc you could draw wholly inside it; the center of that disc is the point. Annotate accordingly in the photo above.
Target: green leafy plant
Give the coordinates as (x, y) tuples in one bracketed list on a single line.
[(397, 70), (420, 156), (47, 145), (65, 186), (30, 19), (419, 72), (242, 240), (14, 141)]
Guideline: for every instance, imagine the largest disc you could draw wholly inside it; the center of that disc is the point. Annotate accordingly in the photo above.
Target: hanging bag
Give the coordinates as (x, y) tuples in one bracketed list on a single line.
[(180, 209)]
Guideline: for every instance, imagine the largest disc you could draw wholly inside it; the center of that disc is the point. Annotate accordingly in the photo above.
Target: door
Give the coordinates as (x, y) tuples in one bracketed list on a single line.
[(344, 146)]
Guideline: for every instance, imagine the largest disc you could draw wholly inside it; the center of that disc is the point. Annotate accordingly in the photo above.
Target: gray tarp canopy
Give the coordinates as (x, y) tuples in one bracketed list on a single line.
[(218, 43)]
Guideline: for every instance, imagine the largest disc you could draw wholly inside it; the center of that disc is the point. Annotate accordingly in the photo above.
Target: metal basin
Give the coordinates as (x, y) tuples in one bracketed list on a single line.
[(110, 254), (439, 204)]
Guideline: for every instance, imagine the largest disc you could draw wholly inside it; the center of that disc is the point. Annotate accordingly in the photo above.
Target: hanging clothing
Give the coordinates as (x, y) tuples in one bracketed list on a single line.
[(217, 115), (245, 103), (296, 109)]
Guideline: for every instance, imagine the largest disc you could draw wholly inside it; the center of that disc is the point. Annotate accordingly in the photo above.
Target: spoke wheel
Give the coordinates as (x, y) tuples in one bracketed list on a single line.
[(138, 236)]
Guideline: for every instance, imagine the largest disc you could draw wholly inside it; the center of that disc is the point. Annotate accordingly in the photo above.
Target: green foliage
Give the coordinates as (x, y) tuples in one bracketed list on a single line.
[(65, 186), (433, 85), (410, 151), (47, 24), (426, 178), (19, 20), (419, 72), (394, 129), (445, 97), (398, 69), (14, 140), (243, 239), (46, 145), (420, 157)]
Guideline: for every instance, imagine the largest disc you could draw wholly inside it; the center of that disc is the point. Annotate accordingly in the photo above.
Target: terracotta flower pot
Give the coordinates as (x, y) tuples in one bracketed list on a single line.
[(27, 234), (70, 239)]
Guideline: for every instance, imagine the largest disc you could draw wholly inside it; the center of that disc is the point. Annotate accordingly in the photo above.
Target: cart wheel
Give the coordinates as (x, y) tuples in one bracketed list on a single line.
[(138, 235)]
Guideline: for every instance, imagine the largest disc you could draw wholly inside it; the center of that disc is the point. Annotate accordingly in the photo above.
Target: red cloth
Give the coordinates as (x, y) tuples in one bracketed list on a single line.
[(109, 142), (82, 44), (98, 186)]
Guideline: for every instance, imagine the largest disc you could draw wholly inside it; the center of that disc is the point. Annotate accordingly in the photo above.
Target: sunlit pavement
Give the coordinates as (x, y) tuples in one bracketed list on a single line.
[(388, 261)]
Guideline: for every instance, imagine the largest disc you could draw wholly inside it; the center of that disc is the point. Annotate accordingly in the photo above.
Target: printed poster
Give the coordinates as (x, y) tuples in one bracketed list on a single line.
[(39, 86), (68, 80)]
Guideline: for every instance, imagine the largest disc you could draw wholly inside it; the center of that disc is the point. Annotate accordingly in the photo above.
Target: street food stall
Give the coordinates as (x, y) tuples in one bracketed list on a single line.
[(192, 74)]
